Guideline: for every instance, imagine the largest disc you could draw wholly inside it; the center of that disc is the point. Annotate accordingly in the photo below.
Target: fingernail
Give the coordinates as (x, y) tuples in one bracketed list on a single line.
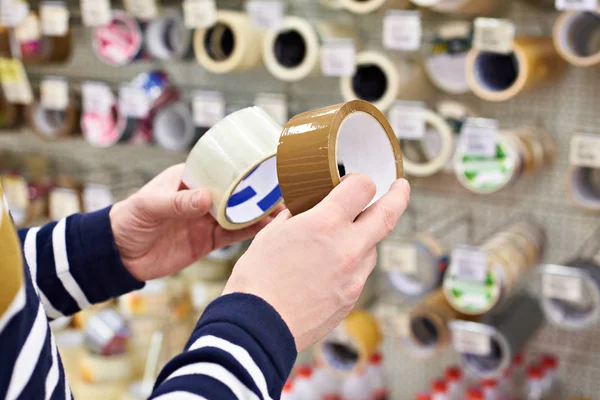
[(197, 199)]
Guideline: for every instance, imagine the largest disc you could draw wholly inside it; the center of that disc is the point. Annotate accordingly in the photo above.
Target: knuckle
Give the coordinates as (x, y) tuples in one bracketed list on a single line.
[(354, 290), (389, 218), (350, 260), (178, 205)]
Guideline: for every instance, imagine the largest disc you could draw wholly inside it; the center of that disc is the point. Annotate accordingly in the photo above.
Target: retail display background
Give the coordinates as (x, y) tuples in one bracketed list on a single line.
[(563, 108)]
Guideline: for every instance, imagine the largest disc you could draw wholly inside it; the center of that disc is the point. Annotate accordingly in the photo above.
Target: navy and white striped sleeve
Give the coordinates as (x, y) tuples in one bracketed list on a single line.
[(74, 263), (240, 349)]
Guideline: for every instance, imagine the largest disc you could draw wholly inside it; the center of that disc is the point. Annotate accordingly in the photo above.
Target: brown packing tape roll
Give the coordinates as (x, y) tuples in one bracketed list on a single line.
[(475, 7), (5, 50), (49, 49), (575, 34), (499, 77), (311, 144), (10, 114), (53, 124)]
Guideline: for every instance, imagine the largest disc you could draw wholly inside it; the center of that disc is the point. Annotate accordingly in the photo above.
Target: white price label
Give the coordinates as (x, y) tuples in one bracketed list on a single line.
[(494, 35), (338, 57), (585, 150), (468, 342), (143, 9), (63, 202), (265, 14), (15, 82), (55, 18), (97, 98), (54, 93), (96, 197), (402, 30), (133, 102), (96, 12), (29, 30), (199, 13), (469, 263), (274, 104), (398, 257), (208, 108), (479, 137), (562, 287), (393, 321), (13, 12), (579, 5), (407, 119)]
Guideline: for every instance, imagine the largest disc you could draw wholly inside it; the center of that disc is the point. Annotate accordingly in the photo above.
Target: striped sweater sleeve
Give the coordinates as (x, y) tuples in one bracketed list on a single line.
[(74, 263), (240, 349)]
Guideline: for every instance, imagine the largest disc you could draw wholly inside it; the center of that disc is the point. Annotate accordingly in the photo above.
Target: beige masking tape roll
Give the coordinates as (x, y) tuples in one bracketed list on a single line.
[(105, 369), (70, 347), (369, 6), (312, 143), (576, 37), (98, 391), (293, 51), (500, 77), (381, 79), (583, 187), (229, 45), (463, 7), (235, 161), (53, 124)]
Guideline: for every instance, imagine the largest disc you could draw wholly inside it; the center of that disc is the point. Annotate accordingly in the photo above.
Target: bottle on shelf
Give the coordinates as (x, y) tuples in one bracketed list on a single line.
[(423, 396), (490, 389), (376, 378), (535, 386), (474, 394), (288, 391), (517, 376), (439, 389), (304, 388), (550, 366), (356, 386), (325, 382), (454, 378)]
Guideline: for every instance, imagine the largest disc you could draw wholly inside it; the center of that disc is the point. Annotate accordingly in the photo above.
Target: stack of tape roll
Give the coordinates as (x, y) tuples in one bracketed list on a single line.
[(311, 144), (217, 265), (462, 7), (106, 333), (36, 48), (166, 37), (417, 161), (511, 254), (292, 52), (381, 80), (81, 318), (10, 114), (64, 199), (583, 187), (53, 124), (369, 6), (229, 45), (487, 347), (105, 130), (575, 37), (533, 62), (70, 346), (120, 41), (570, 295), (173, 127), (28, 202), (415, 268), (350, 345), (447, 55)]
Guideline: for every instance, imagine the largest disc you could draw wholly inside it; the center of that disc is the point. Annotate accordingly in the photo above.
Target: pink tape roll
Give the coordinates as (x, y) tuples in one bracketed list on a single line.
[(120, 41)]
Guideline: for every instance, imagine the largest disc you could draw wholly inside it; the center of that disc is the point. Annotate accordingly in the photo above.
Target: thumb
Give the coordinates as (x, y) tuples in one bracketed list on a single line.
[(184, 204)]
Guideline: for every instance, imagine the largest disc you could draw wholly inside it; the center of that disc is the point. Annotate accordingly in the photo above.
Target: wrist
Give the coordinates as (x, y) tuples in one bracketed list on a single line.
[(116, 216)]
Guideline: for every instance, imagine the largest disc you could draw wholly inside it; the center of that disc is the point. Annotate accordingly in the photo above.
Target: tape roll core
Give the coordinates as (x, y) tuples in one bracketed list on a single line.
[(173, 127), (584, 187), (577, 37), (290, 48), (167, 38), (369, 82)]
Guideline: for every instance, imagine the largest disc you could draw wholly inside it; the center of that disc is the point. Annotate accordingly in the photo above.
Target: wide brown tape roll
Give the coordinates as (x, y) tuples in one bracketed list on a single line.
[(500, 77), (10, 114), (312, 144), (575, 37), (52, 124), (47, 49)]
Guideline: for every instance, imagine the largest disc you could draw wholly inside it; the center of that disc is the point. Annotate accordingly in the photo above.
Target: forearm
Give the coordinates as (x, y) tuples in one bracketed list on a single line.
[(240, 348)]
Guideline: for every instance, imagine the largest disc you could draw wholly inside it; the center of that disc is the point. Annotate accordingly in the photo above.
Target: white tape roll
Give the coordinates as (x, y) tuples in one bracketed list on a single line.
[(292, 52), (583, 186), (382, 80), (167, 38), (369, 6), (231, 44), (102, 369), (173, 127), (235, 161), (204, 292), (576, 37)]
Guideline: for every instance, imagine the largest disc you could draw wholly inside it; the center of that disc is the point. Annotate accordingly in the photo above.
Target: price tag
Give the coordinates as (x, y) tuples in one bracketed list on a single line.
[(338, 57), (15, 82), (468, 342), (579, 5), (494, 35), (265, 14), (29, 30), (479, 137), (408, 119), (55, 18), (133, 101), (208, 108), (199, 13), (96, 197), (585, 150), (13, 12), (274, 104), (54, 93), (393, 321), (562, 287), (402, 30), (469, 263), (63, 202), (96, 12), (143, 9), (398, 257), (97, 98)]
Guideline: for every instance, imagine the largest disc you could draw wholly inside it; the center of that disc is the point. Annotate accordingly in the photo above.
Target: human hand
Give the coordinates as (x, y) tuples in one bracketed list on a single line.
[(160, 230), (312, 267)]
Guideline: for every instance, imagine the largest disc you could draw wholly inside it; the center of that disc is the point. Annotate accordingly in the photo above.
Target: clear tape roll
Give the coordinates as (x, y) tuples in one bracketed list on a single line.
[(463, 7), (583, 187), (229, 45), (173, 127), (105, 369), (120, 41), (235, 161), (167, 38), (52, 124), (369, 6), (576, 37), (107, 130), (381, 80)]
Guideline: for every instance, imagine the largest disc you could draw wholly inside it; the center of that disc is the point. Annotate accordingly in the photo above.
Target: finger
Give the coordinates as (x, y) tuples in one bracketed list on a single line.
[(378, 221), (170, 178), (224, 237), (185, 204), (349, 198)]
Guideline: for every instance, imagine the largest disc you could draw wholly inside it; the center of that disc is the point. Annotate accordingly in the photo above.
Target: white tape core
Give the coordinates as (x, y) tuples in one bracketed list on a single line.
[(579, 36), (496, 72), (340, 355)]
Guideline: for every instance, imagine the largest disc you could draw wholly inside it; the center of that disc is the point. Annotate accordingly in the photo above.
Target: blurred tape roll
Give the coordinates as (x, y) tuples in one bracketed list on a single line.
[(464, 7), (173, 127), (311, 144), (571, 294), (105, 369), (204, 292), (120, 41), (152, 300), (28, 202), (350, 345), (426, 165), (167, 38), (292, 52), (53, 124), (107, 130), (333, 4), (10, 114), (500, 77), (369, 6), (576, 37), (235, 160), (98, 391), (487, 347), (106, 333), (381, 80), (70, 346), (231, 44), (583, 187), (38, 49)]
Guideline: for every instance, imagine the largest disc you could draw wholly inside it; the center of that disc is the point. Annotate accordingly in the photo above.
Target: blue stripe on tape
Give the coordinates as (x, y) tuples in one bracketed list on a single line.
[(271, 199), (241, 197)]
